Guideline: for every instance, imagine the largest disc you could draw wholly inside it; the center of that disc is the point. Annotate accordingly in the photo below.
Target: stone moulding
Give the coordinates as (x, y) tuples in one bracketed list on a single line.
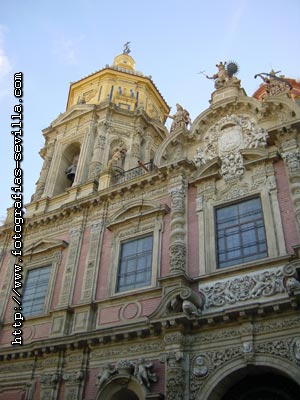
[(244, 289)]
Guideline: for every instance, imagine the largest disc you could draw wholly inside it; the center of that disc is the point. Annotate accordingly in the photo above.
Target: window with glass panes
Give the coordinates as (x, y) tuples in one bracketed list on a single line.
[(240, 233), (35, 290), (135, 264)]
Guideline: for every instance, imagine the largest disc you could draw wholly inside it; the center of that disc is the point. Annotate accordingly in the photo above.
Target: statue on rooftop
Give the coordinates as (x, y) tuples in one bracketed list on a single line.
[(225, 75), (126, 48), (181, 119), (275, 85)]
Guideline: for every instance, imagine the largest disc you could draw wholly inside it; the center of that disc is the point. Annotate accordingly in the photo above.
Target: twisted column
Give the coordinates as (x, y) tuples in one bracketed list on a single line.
[(178, 230)]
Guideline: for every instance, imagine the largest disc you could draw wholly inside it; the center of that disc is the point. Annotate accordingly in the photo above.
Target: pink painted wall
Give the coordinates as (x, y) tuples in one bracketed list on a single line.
[(90, 389)]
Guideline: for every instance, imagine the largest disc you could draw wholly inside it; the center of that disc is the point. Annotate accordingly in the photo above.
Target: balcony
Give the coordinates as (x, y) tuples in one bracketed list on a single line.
[(133, 173)]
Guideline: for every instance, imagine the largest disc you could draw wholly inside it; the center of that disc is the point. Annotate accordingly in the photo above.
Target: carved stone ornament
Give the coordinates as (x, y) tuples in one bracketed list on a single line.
[(141, 369), (178, 257), (232, 166), (175, 378), (211, 360), (280, 348), (200, 366), (106, 373), (50, 379), (292, 160), (125, 367), (296, 350), (177, 199), (226, 138), (244, 288), (188, 301), (143, 372), (74, 377)]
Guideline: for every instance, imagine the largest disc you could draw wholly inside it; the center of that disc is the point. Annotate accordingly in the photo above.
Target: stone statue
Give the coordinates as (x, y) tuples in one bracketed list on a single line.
[(117, 158), (142, 371), (107, 371), (181, 119), (225, 76), (275, 85), (71, 170)]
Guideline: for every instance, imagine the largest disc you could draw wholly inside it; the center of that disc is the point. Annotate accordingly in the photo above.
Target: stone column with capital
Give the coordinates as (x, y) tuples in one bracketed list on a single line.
[(178, 229), (290, 152)]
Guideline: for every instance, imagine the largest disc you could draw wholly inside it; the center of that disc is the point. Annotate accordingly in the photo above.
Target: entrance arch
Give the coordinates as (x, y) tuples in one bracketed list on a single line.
[(237, 378), (122, 387), (124, 394), (265, 386)]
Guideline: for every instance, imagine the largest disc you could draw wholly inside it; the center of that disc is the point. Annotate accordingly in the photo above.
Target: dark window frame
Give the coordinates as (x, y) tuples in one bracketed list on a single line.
[(244, 226), (131, 275), (35, 290)]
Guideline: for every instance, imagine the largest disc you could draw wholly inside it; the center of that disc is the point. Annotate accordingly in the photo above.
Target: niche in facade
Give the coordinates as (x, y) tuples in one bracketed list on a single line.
[(67, 168), (117, 156)]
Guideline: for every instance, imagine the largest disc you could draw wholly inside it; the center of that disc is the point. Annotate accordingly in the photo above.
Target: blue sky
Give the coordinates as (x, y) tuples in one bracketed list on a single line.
[(56, 42)]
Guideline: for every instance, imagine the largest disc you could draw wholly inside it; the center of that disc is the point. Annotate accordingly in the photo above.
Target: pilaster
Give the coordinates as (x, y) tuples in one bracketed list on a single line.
[(71, 266), (90, 272)]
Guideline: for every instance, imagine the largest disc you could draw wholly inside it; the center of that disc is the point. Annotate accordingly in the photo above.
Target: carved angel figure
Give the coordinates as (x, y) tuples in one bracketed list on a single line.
[(142, 372), (107, 371)]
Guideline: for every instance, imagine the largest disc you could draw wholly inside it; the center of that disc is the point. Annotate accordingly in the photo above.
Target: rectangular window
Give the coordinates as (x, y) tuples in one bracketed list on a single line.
[(35, 290), (240, 233), (135, 264)]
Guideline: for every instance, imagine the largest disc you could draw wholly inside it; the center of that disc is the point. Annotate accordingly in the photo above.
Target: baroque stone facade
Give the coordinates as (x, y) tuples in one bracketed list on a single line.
[(168, 266)]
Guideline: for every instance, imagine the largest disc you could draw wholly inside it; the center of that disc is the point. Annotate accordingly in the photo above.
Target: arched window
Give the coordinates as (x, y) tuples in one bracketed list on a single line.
[(67, 168)]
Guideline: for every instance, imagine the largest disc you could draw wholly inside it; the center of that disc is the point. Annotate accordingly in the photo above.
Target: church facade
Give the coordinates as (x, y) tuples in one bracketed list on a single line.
[(156, 264)]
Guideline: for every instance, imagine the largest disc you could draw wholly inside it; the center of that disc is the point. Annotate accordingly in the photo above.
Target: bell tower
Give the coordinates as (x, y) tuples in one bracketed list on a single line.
[(113, 123)]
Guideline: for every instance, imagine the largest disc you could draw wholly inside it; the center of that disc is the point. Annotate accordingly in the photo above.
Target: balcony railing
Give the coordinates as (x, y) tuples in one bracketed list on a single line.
[(142, 169)]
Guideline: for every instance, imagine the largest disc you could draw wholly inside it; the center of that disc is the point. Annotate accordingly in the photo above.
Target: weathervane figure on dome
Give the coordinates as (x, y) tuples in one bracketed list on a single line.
[(126, 48), (225, 75), (275, 85)]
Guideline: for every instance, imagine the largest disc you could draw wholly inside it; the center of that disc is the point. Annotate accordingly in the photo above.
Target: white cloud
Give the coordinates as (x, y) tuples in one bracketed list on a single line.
[(233, 26), (5, 65), (66, 50)]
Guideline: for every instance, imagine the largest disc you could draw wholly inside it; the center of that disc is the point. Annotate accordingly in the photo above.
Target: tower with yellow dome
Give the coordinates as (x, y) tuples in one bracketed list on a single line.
[(114, 122)]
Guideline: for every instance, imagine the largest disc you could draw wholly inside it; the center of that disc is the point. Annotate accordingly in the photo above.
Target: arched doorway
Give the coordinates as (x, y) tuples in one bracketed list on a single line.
[(263, 386), (122, 387), (124, 394)]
